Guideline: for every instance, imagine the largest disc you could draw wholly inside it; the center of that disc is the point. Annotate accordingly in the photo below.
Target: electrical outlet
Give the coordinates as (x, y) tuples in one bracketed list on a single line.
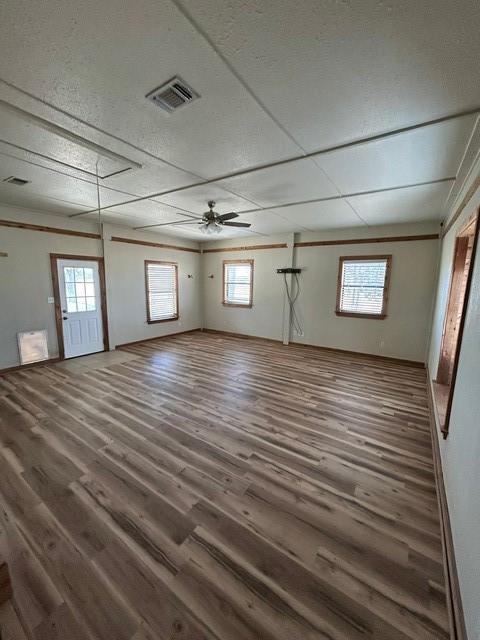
[(382, 344)]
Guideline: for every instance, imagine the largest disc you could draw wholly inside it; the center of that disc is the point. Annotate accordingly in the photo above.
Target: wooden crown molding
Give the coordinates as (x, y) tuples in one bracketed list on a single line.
[(39, 227), (252, 247), (326, 243), (158, 245)]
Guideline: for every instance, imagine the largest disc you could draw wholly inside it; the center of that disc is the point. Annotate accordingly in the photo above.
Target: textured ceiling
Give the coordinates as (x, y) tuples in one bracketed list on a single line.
[(277, 81)]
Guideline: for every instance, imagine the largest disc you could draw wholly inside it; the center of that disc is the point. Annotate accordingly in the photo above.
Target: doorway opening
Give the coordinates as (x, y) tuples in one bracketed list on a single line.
[(463, 260), (80, 304)]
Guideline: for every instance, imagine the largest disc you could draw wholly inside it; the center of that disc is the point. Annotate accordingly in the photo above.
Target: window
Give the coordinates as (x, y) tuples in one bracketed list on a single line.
[(238, 283), (79, 289), (161, 283), (363, 286)]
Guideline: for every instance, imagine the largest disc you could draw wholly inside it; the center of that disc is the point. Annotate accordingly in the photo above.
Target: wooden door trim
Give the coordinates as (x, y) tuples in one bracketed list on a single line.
[(473, 221), (54, 257)]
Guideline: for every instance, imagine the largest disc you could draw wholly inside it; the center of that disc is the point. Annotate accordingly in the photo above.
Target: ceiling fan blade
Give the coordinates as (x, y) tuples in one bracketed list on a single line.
[(236, 224), (227, 216)]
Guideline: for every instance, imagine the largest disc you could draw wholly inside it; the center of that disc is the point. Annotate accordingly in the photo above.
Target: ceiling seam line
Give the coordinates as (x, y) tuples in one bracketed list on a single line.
[(312, 154), (234, 72), (326, 199), (344, 199)]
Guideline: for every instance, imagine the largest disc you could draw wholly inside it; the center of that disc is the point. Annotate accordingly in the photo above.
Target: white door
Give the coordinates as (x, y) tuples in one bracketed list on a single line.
[(81, 306)]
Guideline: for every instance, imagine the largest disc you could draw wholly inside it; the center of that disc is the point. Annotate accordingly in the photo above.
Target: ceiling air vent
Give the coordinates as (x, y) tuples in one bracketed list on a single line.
[(173, 95), (18, 181)]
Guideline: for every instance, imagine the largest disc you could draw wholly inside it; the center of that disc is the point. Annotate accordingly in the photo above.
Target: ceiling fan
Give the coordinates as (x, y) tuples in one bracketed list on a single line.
[(212, 222)]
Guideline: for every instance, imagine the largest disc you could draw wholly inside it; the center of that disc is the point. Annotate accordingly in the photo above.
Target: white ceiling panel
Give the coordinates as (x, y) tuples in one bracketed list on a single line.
[(333, 214), (46, 183), (196, 198), (275, 80), (292, 182), (21, 134), (151, 178), (332, 72), (37, 202), (269, 222), (97, 61), (425, 154), (416, 204), (147, 212)]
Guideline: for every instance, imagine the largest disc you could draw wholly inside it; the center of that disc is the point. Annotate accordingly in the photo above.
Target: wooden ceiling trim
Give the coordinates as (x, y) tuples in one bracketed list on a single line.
[(326, 243), (158, 245), (252, 247), (40, 227)]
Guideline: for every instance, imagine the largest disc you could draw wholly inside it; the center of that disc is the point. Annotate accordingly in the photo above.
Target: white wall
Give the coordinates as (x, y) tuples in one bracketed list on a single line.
[(460, 453), (265, 318), (403, 334), (125, 279), (26, 281), (25, 277)]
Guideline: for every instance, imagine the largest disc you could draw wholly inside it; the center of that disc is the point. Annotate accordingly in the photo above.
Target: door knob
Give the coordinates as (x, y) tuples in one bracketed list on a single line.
[(64, 318)]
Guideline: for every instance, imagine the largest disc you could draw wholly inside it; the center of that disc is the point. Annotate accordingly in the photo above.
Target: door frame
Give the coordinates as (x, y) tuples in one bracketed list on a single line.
[(54, 257), (472, 222)]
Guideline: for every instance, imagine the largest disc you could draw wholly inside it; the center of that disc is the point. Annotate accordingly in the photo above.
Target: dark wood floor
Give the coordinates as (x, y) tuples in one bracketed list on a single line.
[(204, 486)]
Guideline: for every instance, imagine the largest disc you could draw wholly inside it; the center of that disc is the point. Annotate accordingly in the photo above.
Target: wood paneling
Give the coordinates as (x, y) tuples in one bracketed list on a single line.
[(38, 227), (157, 245), (215, 488), (327, 243)]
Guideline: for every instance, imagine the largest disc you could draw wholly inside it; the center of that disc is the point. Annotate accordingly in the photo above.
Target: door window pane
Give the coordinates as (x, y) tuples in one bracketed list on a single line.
[(79, 289), (70, 289)]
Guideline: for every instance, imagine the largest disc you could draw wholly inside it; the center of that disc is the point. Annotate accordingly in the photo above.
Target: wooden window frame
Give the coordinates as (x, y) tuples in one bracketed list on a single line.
[(172, 264), (232, 304), (386, 286), (443, 393)]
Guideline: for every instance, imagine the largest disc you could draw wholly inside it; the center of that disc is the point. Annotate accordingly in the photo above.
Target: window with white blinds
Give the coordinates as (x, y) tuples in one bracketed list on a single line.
[(161, 284), (238, 283), (363, 286)]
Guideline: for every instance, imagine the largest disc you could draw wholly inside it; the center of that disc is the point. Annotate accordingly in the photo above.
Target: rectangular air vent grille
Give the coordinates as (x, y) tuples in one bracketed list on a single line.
[(18, 181), (173, 95)]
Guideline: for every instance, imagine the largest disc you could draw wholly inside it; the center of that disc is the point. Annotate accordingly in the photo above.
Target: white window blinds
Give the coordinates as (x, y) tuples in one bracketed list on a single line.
[(362, 287), (237, 283), (161, 284)]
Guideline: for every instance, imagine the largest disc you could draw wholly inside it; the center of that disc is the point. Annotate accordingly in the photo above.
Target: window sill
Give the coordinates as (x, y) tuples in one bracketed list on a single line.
[(371, 316), (240, 306), (164, 320)]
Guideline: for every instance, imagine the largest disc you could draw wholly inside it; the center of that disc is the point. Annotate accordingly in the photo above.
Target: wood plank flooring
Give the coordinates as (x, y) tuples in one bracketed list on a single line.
[(211, 487)]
